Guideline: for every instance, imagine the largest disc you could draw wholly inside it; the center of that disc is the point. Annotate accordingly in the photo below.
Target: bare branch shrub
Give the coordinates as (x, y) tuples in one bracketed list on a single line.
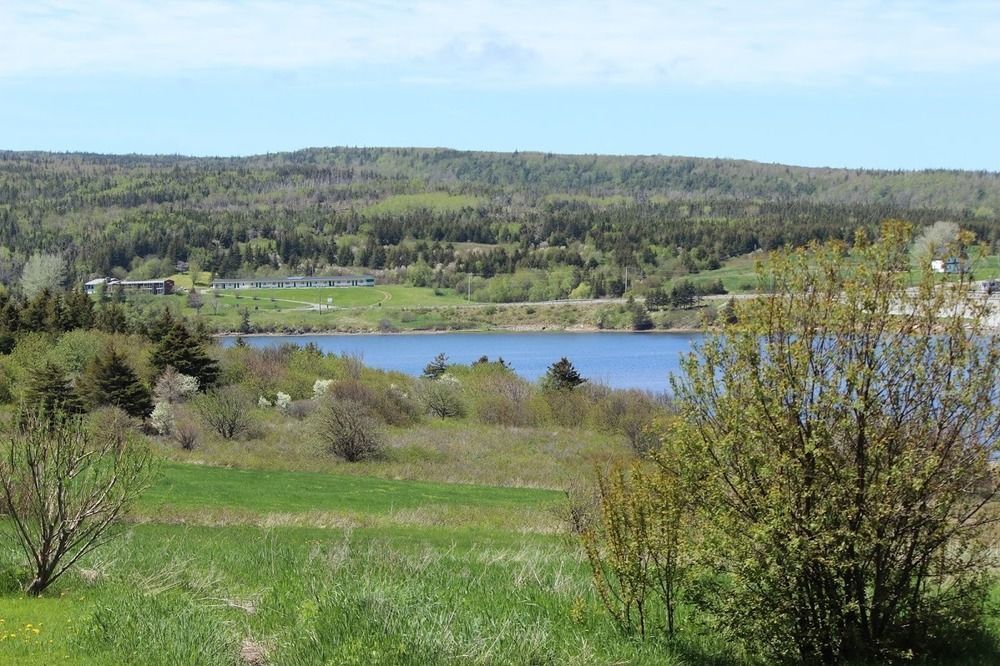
[(504, 399), (186, 433), (632, 413), (65, 485), (349, 430), (300, 409), (228, 411), (392, 406)]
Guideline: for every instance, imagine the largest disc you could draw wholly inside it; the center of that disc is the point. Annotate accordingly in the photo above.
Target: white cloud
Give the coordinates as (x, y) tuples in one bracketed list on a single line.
[(513, 43)]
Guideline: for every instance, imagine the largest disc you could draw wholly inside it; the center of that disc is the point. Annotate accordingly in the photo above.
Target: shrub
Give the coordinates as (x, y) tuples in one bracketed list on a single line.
[(320, 388), (845, 434), (637, 548), (391, 405), (65, 486), (503, 398), (442, 397), (186, 433), (173, 387), (300, 409), (632, 413), (162, 418), (349, 430), (227, 410)]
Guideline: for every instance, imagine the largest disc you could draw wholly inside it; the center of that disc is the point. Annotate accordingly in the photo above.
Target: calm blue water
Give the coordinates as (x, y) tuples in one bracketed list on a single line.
[(621, 360)]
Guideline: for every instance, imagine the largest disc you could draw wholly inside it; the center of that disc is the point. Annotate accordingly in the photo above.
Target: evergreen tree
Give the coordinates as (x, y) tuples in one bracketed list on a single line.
[(51, 393), (161, 325), (245, 325), (111, 319), (110, 380), (437, 367), (182, 351), (562, 376)]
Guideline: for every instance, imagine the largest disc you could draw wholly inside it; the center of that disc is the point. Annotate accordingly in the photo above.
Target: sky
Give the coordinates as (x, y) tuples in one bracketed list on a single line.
[(853, 83)]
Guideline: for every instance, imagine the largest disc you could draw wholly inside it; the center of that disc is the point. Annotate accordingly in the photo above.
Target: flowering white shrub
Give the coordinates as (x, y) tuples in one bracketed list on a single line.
[(162, 418), (173, 386), (320, 387), (263, 402), (282, 401)]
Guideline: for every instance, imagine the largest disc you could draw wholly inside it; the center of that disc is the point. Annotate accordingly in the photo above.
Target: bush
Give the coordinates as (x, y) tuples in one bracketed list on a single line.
[(300, 409), (503, 398), (442, 398), (162, 418), (227, 410), (186, 433), (65, 483), (391, 405), (173, 387), (632, 413), (349, 430)]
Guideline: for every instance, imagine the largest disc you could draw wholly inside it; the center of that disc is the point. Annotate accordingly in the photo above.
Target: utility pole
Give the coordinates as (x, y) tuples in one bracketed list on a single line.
[(469, 296)]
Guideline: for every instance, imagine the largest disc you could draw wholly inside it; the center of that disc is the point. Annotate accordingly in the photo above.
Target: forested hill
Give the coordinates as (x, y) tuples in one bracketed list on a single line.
[(358, 172), (398, 211)]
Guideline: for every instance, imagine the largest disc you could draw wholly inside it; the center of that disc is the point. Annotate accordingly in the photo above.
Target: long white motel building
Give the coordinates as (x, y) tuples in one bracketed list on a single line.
[(295, 282)]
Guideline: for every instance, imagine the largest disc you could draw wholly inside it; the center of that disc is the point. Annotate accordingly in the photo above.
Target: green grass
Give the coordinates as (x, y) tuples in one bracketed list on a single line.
[(421, 594), (198, 486)]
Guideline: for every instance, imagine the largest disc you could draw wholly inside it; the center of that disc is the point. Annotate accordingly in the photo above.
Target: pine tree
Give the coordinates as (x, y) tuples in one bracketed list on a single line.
[(183, 352), (110, 380), (51, 393)]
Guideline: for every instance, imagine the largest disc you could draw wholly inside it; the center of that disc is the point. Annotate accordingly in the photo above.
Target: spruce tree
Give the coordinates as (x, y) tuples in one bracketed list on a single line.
[(182, 351), (111, 381), (50, 392), (562, 376)]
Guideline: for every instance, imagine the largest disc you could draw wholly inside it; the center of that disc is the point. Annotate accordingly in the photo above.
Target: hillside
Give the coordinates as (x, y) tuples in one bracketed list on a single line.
[(513, 227)]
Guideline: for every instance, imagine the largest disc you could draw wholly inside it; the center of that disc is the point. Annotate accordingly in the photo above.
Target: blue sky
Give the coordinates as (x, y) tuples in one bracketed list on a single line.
[(877, 84)]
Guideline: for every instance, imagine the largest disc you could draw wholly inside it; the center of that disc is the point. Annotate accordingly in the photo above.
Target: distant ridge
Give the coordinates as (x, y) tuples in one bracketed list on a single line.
[(535, 173)]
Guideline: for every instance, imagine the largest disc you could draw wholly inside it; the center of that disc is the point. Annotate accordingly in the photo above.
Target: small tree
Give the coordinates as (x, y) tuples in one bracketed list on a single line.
[(562, 376), (227, 410), (65, 486), (111, 381), (173, 387), (442, 398), (349, 430), (195, 301), (436, 367), (245, 325)]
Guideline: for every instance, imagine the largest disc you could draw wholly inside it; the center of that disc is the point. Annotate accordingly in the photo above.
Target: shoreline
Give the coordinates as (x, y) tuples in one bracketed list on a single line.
[(526, 328)]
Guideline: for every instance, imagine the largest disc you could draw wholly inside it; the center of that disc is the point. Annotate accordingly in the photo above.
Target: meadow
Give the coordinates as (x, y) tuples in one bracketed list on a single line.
[(224, 566)]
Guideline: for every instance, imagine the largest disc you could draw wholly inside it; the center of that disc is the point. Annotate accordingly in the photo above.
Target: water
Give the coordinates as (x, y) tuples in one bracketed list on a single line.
[(621, 360)]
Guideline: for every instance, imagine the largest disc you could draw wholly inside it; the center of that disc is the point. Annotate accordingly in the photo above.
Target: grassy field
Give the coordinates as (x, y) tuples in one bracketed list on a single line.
[(183, 588)]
